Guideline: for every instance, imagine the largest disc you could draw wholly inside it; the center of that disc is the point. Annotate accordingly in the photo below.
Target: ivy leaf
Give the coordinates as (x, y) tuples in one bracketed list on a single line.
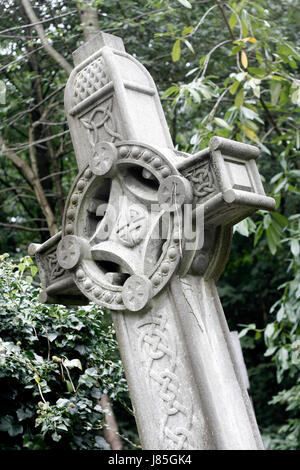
[(52, 336), (269, 333), (244, 331), (62, 402), (8, 424), (56, 437), (72, 363), (62, 427), (101, 443), (24, 413)]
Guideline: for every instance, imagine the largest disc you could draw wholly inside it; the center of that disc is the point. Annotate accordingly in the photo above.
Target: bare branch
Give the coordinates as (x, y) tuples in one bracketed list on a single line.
[(42, 35), (23, 227), (39, 22), (29, 110), (20, 58), (36, 142), (32, 154), (214, 109), (34, 181), (17, 195)]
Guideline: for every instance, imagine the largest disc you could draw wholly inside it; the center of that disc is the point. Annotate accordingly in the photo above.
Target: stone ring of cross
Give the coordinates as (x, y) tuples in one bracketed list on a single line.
[(122, 237)]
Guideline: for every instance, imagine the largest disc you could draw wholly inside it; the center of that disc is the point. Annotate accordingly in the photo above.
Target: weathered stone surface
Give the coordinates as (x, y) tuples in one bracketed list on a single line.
[(128, 245)]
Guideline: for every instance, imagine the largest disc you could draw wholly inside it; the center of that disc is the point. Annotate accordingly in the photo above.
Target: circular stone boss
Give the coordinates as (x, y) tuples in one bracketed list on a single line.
[(136, 293), (173, 192), (68, 252), (103, 158)]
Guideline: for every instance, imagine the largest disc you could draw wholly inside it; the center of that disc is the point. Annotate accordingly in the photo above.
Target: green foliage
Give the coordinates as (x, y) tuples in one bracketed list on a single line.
[(55, 363), (282, 338), (243, 83)]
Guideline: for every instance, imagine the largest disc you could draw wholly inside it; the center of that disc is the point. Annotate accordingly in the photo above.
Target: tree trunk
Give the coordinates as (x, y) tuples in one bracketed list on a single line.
[(111, 430), (89, 19)]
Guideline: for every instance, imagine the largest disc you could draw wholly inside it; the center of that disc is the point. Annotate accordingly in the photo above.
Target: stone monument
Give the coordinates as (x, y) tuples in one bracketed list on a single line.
[(146, 233)]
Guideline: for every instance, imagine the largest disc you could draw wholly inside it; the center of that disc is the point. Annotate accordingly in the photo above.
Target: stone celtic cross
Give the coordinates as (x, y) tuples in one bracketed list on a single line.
[(146, 233)]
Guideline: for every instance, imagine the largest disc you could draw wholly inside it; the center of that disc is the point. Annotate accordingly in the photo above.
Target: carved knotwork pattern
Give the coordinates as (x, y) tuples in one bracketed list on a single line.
[(160, 358), (54, 269), (131, 226), (89, 80), (101, 124), (203, 180)]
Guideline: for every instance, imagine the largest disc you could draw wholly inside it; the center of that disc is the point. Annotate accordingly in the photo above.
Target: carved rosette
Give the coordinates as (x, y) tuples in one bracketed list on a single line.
[(158, 354)]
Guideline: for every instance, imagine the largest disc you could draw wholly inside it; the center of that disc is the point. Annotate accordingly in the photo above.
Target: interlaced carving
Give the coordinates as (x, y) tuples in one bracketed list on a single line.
[(55, 270), (101, 120), (202, 180), (89, 80), (160, 358)]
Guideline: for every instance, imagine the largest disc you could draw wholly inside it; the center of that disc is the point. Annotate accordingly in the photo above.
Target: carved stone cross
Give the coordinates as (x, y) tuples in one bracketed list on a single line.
[(146, 233)]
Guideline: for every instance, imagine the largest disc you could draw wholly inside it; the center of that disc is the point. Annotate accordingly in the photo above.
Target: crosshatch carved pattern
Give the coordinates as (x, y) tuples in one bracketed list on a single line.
[(89, 80), (159, 355), (203, 180)]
